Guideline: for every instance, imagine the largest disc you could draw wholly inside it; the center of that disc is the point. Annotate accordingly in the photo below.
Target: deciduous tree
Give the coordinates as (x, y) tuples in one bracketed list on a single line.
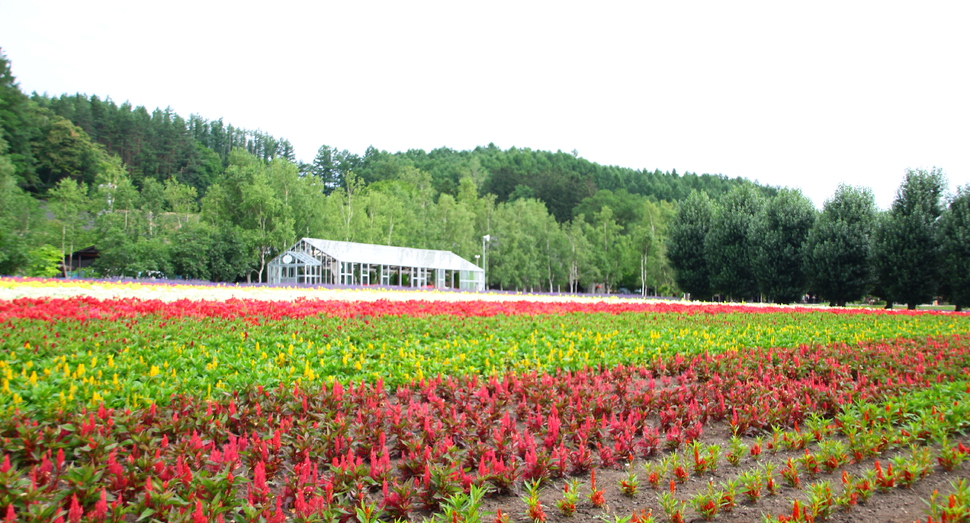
[(181, 199), (838, 250), (728, 246), (685, 245), (955, 238), (648, 248), (69, 203), (609, 247), (907, 243), (778, 234), (246, 198), (579, 255)]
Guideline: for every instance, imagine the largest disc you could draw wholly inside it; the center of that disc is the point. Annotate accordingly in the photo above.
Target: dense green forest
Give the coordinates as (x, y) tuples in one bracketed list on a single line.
[(197, 198), (159, 194)]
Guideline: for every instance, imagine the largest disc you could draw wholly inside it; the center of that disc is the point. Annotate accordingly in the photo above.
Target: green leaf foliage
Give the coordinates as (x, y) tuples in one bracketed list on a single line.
[(778, 235), (907, 243), (685, 245), (44, 262), (16, 127), (955, 238), (728, 246), (19, 218), (838, 250)]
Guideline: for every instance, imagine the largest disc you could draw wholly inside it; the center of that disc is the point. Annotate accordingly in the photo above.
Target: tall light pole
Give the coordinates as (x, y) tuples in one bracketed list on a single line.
[(486, 238)]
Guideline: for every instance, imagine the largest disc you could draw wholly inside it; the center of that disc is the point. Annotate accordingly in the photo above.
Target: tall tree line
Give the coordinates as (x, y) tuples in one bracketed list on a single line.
[(745, 246), (256, 208), (560, 180), (157, 193)]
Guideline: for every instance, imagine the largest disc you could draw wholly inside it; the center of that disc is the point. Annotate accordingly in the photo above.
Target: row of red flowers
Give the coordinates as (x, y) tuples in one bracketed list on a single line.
[(81, 308)]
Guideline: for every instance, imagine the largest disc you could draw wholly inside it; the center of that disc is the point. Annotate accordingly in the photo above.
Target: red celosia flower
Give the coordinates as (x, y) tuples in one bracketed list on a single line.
[(75, 512), (199, 516), (101, 507)]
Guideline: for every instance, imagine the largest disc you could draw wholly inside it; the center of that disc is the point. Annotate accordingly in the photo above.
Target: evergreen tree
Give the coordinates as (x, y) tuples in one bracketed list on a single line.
[(16, 124), (838, 250), (907, 244), (325, 168)]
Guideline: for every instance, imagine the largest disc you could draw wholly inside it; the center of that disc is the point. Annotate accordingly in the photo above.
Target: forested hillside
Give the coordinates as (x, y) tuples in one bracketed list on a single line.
[(199, 198)]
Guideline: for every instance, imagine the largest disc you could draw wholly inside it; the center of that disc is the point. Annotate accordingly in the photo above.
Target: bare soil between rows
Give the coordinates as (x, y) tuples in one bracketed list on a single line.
[(899, 505)]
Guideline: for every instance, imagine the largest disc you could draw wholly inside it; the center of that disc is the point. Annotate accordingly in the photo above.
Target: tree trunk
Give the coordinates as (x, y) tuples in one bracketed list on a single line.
[(70, 257), (643, 276), (911, 306), (64, 249)]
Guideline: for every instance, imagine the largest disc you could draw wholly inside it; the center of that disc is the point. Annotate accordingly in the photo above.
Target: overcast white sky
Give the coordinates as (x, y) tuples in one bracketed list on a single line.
[(806, 95)]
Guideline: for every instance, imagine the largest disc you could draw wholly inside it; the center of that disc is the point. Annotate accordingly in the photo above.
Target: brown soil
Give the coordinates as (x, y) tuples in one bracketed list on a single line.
[(899, 505)]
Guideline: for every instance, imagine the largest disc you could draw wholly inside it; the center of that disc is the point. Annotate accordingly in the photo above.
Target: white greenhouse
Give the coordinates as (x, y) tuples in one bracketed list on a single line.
[(313, 261)]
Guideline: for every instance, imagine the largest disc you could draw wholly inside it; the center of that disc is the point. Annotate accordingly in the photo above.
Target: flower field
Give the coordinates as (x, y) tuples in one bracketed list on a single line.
[(144, 409)]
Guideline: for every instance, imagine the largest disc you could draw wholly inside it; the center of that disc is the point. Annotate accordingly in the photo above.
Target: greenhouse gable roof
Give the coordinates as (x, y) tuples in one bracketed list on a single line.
[(306, 259), (351, 252)]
